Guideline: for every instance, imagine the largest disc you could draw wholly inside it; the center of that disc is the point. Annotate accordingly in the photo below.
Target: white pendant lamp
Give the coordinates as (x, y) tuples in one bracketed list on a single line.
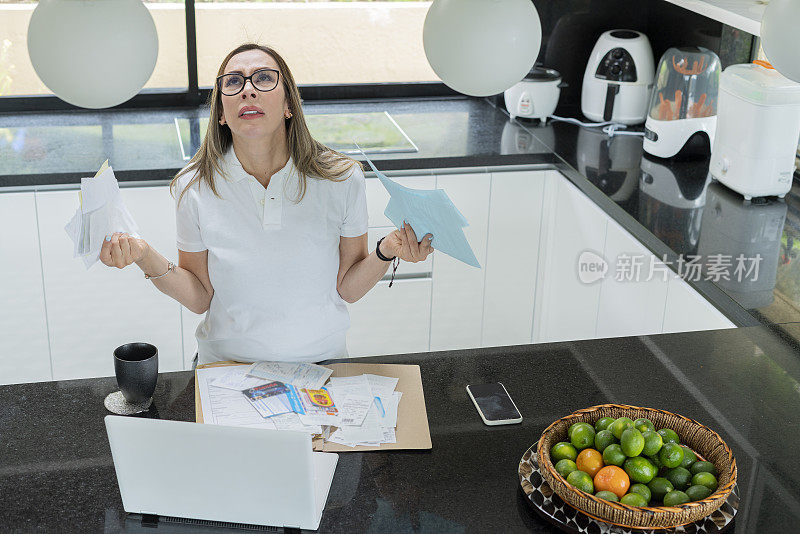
[(481, 47), (779, 38), (93, 53)]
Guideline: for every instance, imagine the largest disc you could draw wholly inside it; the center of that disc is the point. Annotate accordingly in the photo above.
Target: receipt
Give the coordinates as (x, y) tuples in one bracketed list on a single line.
[(238, 379), (301, 375)]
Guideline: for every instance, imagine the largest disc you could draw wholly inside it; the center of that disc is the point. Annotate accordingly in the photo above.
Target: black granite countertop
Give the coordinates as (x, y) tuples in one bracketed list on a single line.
[(57, 475), (41, 150)]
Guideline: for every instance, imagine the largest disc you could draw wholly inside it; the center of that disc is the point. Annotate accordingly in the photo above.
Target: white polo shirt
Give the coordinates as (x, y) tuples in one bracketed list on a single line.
[(272, 262)]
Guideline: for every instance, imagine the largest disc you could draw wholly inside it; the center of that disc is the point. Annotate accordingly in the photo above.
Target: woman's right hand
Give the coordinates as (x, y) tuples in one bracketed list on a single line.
[(122, 249)]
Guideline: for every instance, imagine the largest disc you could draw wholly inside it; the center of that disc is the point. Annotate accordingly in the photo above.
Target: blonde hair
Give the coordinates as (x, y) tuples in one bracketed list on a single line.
[(310, 157)]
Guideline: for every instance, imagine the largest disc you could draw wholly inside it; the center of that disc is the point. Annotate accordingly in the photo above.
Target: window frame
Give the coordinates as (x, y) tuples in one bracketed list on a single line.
[(194, 96)]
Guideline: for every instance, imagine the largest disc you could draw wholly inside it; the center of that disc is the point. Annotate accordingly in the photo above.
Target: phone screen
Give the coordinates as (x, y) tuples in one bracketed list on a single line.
[(494, 402)]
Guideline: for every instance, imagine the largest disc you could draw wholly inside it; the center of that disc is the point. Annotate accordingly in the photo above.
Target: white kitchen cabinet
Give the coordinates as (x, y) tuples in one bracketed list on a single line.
[(566, 308), (378, 197), (391, 320), (90, 313), (687, 311), (512, 253), (24, 351), (634, 292), (457, 299)]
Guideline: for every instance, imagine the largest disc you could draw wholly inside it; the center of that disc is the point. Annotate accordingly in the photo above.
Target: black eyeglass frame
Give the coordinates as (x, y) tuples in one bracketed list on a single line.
[(221, 76)]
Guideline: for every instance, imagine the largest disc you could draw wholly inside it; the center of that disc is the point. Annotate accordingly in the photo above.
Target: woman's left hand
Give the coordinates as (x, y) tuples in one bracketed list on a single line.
[(403, 244)]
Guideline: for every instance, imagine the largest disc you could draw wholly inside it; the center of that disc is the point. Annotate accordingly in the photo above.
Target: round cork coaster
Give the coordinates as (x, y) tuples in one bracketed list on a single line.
[(115, 402)]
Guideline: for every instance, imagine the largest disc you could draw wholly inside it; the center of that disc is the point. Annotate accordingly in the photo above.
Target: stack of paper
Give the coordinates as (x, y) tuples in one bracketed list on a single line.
[(101, 212), (368, 405), (357, 410)]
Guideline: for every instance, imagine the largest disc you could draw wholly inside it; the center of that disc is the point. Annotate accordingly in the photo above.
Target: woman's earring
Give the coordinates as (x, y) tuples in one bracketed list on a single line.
[(288, 114)]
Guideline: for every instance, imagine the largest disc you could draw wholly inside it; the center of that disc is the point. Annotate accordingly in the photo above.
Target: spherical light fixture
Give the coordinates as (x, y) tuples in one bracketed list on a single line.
[(779, 40), (481, 47), (93, 53)]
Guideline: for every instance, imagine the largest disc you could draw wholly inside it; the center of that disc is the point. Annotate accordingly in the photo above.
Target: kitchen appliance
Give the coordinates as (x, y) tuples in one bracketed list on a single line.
[(758, 126), (618, 78), (682, 115), (535, 96)]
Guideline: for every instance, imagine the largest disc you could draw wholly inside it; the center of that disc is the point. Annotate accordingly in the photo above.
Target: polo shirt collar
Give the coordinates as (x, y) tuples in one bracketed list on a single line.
[(237, 172)]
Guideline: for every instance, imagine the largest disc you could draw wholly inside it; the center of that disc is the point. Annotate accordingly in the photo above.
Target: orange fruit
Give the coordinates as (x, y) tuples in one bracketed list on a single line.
[(589, 461), (614, 479)]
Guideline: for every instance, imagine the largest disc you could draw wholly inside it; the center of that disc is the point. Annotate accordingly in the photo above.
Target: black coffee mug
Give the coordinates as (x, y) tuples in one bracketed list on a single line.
[(136, 367)]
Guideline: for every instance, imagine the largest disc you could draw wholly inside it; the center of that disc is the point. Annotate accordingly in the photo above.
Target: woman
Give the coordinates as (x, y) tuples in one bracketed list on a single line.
[(271, 226)]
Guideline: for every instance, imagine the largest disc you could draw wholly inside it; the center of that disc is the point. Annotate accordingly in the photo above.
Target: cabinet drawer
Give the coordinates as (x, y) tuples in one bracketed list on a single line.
[(391, 320)]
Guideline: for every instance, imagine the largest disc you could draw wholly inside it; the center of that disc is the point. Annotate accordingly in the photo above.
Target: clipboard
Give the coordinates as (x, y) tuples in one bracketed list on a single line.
[(412, 431)]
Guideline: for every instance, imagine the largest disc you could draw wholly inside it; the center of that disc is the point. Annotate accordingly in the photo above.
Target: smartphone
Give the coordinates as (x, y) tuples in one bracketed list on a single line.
[(494, 404)]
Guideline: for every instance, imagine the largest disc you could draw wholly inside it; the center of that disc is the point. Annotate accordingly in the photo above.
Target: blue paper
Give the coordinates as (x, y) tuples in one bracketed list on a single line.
[(428, 211)]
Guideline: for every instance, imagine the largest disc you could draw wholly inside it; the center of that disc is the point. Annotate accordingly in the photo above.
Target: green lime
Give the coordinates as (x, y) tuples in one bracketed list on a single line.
[(675, 497), (643, 424), (680, 477), (689, 457), (581, 480), (607, 495), (633, 499), (603, 424), (671, 455), (603, 439), (582, 436), (620, 425), (669, 435), (562, 450), (705, 479), (652, 442), (659, 487), (613, 455), (572, 427), (640, 469), (565, 467), (655, 461), (703, 467), (698, 492), (642, 490), (632, 442)]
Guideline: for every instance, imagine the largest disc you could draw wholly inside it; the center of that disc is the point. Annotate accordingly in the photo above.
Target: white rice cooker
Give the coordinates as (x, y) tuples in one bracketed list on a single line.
[(536, 96), (758, 127)]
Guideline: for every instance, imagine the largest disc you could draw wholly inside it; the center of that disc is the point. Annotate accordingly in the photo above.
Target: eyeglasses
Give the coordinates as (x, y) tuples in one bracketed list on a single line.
[(263, 79)]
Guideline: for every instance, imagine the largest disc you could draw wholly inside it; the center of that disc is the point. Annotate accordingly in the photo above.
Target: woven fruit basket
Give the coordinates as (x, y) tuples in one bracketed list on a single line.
[(701, 439)]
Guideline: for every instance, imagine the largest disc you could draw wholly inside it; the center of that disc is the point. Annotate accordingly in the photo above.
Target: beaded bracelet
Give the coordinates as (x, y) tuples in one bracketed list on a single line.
[(394, 259)]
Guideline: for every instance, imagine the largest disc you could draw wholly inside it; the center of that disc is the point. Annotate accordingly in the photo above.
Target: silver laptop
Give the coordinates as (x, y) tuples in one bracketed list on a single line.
[(230, 474)]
